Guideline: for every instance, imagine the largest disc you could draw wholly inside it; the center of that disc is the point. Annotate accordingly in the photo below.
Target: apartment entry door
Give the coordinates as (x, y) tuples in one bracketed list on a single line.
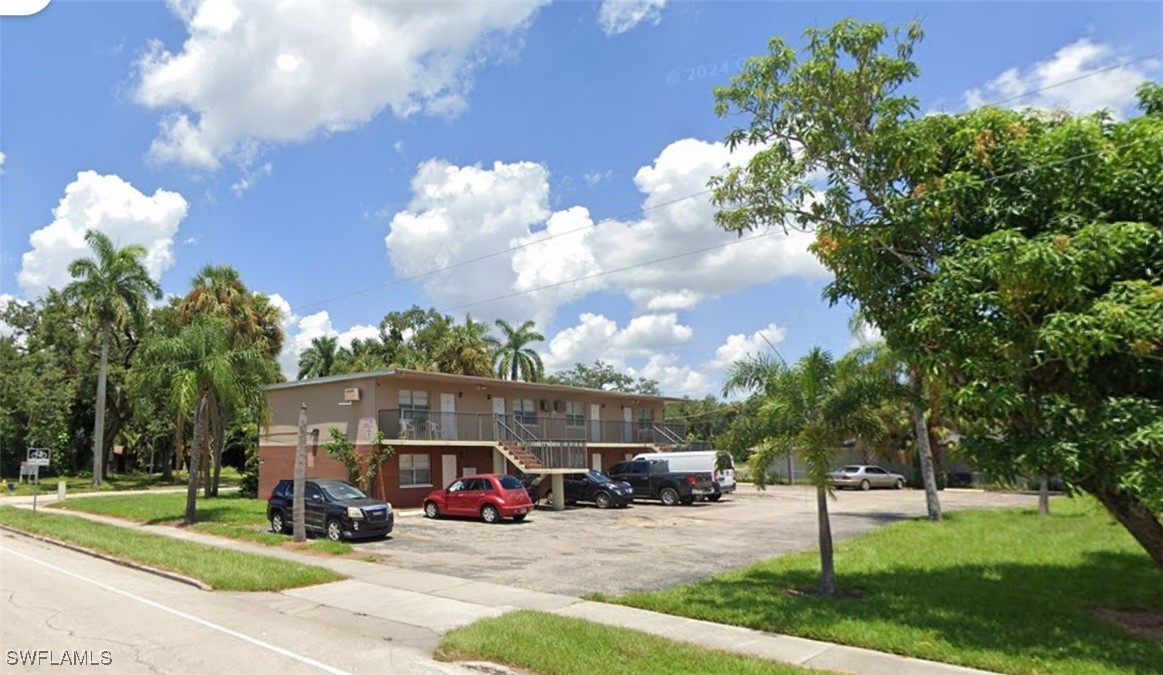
[(499, 418), (447, 469), (595, 423), (628, 418), (448, 417)]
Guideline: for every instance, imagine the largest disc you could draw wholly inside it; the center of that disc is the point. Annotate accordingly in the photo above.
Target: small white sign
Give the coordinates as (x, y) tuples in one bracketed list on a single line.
[(38, 456)]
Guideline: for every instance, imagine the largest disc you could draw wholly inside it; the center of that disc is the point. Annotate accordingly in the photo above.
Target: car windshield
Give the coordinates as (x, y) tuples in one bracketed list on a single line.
[(510, 483), (598, 477), (338, 491)]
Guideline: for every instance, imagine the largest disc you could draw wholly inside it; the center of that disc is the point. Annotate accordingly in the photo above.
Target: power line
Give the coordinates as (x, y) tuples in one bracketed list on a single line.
[(714, 247), (1091, 73), (671, 202)]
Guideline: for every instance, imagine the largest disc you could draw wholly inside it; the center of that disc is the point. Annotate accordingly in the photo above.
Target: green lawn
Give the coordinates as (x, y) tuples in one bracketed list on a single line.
[(554, 645), (129, 481), (229, 515), (221, 569), (1000, 590)]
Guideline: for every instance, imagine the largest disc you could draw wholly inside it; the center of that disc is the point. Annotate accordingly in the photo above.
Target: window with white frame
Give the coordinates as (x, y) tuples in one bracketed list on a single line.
[(575, 414), (413, 404), (415, 471), (645, 418), (525, 410)]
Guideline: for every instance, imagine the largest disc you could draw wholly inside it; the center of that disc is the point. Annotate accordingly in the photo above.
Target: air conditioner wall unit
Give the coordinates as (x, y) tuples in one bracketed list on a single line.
[(545, 405), (351, 394), (559, 406)]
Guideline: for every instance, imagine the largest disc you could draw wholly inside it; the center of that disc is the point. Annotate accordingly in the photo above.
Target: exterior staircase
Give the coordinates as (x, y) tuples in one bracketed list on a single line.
[(520, 456)]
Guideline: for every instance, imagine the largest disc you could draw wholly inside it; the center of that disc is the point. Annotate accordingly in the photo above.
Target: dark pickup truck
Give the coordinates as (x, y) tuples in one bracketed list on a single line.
[(653, 479)]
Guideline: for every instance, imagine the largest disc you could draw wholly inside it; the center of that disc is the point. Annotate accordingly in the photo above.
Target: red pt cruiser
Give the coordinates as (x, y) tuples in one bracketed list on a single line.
[(490, 496)]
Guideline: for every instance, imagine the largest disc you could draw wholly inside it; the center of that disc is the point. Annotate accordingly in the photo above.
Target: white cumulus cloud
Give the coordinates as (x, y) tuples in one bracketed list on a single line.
[(282, 70), (1073, 80), (619, 16), (301, 330), (597, 337), (739, 345), (669, 260), (111, 205)]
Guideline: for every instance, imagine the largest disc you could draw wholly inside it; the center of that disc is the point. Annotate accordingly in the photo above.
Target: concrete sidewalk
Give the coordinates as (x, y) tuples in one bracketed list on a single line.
[(437, 602)]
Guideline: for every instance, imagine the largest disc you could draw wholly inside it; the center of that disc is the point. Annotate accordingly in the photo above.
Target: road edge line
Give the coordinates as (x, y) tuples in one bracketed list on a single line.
[(125, 562)]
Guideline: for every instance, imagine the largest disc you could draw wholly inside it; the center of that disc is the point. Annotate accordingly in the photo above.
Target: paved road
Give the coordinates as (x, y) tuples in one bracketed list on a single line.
[(57, 600), (649, 546)]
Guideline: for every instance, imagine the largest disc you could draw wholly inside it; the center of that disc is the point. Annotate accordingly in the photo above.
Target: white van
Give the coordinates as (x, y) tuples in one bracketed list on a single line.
[(699, 460)]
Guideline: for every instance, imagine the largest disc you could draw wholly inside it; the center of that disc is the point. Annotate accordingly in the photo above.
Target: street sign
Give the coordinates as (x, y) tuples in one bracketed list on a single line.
[(38, 456)]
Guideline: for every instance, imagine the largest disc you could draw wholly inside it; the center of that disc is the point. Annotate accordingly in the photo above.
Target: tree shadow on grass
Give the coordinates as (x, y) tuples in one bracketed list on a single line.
[(1030, 616)]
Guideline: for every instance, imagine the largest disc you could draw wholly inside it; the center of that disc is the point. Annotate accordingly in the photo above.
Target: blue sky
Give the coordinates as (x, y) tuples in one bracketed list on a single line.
[(333, 151)]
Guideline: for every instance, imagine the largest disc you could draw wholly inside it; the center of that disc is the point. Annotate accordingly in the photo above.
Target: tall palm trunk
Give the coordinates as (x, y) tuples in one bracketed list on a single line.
[(175, 451), (298, 503), (219, 442), (827, 559), (99, 423), (196, 457), (208, 447), (924, 450)]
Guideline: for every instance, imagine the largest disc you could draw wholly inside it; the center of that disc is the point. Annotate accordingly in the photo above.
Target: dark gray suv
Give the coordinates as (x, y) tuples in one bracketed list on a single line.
[(334, 508)]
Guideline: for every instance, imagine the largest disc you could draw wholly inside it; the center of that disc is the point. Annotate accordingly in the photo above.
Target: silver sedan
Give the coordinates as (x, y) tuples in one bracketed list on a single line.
[(865, 477)]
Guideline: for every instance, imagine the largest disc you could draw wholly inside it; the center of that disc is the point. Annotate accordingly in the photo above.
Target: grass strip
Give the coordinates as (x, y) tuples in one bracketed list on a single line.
[(1002, 590), (221, 569), (556, 645), (83, 484), (229, 515)]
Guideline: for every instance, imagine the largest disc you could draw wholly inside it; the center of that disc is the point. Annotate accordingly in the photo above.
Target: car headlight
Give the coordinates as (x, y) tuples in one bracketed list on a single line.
[(389, 505), (354, 512)]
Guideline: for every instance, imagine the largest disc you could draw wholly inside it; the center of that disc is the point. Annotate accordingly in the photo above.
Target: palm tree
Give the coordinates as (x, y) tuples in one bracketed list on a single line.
[(217, 291), (203, 368), (515, 361), (112, 289), (318, 360), (810, 408), (467, 350)]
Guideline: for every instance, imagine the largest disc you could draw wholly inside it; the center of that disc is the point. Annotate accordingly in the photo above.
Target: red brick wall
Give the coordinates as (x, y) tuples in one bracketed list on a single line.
[(278, 462)]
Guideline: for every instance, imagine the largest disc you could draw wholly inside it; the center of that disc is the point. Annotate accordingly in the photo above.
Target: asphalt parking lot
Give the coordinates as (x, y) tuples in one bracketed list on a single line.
[(649, 546)]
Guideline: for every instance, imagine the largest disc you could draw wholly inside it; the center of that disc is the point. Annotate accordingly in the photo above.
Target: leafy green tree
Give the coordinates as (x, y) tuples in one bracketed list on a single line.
[(252, 321), (468, 349), (318, 359), (810, 408), (203, 366), (706, 419), (603, 376), (113, 289), (1011, 254), (514, 359)]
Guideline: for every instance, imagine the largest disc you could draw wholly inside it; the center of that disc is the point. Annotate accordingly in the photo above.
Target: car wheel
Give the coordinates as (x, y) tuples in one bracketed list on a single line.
[(669, 496), (519, 517), (865, 485), (898, 484), (602, 500), (431, 510), (549, 499), (278, 525), (334, 530), (490, 514), (715, 497)]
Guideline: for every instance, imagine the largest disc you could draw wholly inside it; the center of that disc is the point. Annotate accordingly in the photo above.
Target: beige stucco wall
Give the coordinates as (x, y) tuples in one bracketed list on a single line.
[(359, 420)]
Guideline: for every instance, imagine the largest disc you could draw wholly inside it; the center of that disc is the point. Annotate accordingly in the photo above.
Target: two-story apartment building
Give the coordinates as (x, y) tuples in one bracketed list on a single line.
[(445, 426)]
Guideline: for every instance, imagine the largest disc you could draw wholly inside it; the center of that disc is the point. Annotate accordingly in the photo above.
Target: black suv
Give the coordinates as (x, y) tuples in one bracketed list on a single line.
[(335, 508)]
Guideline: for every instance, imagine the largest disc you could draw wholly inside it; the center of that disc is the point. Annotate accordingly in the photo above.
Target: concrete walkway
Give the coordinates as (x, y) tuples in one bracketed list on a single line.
[(438, 602)]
